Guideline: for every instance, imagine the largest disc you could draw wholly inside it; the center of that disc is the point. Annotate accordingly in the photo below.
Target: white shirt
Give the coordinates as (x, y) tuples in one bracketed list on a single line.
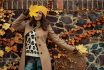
[(31, 44)]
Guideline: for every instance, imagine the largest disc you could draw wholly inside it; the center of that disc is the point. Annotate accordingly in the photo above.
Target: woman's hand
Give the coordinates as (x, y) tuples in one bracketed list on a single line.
[(26, 12), (81, 49)]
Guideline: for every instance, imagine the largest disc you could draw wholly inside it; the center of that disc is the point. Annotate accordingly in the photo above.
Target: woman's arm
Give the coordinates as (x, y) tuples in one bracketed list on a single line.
[(55, 38), (19, 23)]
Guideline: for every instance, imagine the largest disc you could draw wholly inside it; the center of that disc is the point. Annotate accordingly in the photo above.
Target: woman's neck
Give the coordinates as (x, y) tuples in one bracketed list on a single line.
[(38, 24)]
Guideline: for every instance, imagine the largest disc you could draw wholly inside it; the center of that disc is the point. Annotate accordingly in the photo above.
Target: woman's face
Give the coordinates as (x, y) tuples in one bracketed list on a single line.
[(39, 16)]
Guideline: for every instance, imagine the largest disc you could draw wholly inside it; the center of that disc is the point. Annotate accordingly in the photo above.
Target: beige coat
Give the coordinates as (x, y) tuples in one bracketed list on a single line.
[(41, 37)]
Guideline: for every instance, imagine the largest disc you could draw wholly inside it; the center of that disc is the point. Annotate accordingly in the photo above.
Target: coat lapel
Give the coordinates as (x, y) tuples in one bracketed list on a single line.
[(22, 61)]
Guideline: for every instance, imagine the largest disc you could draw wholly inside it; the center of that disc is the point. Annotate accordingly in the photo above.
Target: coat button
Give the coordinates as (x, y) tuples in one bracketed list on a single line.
[(39, 44), (37, 36), (40, 52)]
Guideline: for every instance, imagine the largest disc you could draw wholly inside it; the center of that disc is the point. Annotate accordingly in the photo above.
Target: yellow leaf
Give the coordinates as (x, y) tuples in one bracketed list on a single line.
[(2, 20), (1, 53), (7, 49), (1, 16), (6, 26), (13, 13), (5, 68), (55, 57), (59, 55), (43, 9), (1, 10), (33, 9), (82, 49)]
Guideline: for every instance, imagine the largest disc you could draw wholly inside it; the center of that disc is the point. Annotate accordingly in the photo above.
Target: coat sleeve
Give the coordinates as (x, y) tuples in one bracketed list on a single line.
[(61, 43), (19, 23)]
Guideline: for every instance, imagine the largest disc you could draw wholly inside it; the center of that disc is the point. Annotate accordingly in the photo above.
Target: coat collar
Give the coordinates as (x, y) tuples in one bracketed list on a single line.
[(29, 28)]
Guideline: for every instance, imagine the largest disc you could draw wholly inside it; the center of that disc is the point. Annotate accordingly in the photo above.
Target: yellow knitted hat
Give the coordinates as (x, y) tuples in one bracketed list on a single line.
[(35, 8)]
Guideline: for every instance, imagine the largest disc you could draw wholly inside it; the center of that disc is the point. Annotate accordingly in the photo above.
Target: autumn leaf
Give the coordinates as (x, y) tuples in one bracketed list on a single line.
[(59, 55), (1, 16), (6, 26), (12, 42), (2, 32), (1, 10), (82, 49), (33, 10), (55, 57), (14, 48), (2, 20), (7, 49), (5, 68), (18, 38), (43, 9), (1, 53), (13, 13)]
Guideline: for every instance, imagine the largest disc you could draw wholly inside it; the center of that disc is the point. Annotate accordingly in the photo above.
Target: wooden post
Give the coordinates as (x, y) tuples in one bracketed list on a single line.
[(12, 3), (60, 4), (87, 5), (1, 3), (47, 3), (82, 5), (22, 4), (73, 4), (67, 5), (6, 4), (52, 3), (27, 4), (37, 2), (17, 4), (42, 2), (102, 4), (92, 4), (97, 4), (32, 2)]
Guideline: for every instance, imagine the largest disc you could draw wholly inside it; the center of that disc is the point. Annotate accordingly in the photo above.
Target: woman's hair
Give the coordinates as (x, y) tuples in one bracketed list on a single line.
[(44, 22)]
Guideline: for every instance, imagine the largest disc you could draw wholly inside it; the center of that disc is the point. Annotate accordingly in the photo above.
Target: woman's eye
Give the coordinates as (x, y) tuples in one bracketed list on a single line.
[(39, 12)]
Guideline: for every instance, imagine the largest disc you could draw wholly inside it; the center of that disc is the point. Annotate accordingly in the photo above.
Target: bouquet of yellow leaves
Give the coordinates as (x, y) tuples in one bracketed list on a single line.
[(35, 8), (82, 49)]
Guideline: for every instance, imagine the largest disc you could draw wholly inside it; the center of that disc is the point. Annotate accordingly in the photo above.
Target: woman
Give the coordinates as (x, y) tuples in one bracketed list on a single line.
[(36, 31)]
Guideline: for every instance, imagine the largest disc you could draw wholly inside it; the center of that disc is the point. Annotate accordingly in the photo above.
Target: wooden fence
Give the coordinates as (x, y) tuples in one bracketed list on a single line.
[(55, 4)]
